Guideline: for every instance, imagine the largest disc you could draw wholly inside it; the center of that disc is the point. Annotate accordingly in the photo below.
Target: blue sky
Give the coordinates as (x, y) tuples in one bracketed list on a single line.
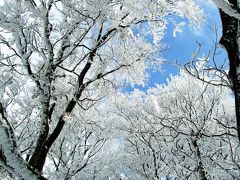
[(184, 44)]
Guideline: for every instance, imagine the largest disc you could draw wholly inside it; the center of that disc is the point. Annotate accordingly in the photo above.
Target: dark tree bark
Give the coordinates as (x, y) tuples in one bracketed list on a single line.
[(229, 40), (2, 157), (200, 169)]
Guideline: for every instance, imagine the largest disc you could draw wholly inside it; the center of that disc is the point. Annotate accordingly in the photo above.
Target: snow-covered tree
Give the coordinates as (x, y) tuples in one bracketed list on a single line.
[(229, 12), (62, 57), (184, 129)]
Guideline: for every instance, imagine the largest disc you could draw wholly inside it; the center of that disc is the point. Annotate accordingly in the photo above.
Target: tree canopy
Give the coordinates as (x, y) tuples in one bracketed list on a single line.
[(64, 113)]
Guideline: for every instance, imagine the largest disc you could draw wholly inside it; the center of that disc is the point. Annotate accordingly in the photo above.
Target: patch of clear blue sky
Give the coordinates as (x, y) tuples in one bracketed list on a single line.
[(184, 44)]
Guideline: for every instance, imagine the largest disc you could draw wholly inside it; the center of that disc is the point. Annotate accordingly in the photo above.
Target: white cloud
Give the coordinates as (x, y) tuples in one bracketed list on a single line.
[(178, 28), (207, 4)]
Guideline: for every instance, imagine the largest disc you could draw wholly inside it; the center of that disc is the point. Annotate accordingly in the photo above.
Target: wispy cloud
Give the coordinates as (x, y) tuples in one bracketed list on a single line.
[(207, 4)]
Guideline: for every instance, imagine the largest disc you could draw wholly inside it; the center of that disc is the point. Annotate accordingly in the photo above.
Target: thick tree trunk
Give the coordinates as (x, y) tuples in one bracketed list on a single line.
[(47, 144), (229, 40), (36, 160)]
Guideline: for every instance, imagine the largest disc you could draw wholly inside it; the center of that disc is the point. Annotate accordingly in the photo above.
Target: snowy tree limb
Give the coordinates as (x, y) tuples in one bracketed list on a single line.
[(229, 7), (13, 159)]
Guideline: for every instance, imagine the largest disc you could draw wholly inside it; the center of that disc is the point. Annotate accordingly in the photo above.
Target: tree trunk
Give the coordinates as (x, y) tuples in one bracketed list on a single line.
[(229, 40), (200, 169)]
